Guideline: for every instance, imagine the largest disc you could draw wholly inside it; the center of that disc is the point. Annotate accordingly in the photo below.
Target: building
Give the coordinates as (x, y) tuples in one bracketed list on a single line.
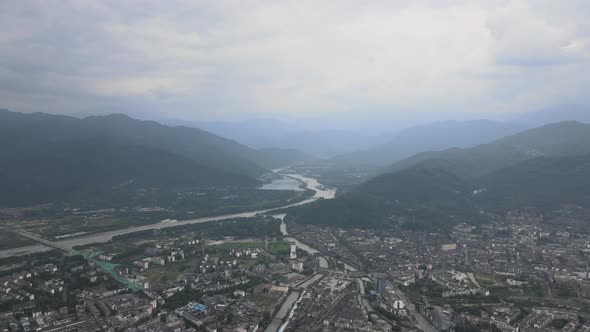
[(293, 250), (448, 247)]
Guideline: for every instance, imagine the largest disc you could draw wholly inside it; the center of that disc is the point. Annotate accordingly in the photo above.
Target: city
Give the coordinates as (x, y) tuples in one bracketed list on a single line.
[(518, 273), (294, 166)]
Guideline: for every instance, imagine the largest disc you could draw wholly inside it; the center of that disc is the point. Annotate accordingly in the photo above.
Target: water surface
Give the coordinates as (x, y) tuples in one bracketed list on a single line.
[(284, 183)]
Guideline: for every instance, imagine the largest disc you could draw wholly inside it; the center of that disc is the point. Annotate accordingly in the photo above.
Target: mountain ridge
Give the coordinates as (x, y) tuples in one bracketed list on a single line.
[(47, 158), (434, 190), (565, 138), (430, 137)]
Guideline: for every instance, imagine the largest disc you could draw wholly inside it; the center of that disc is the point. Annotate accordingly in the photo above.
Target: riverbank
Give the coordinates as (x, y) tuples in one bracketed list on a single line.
[(285, 313), (321, 192)]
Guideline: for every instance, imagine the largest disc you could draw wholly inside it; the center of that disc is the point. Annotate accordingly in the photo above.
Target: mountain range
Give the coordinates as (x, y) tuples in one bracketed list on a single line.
[(272, 134), (544, 167), (557, 113), (431, 137), (559, 139), (52, 157), (378, 138)]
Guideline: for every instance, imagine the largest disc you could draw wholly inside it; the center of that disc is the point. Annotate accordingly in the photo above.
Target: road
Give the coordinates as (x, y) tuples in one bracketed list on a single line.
[(473, 280), (362, 298), (317, 326), (420, 321), (321, 192), (37, 238), (310, 281), (323, 263)]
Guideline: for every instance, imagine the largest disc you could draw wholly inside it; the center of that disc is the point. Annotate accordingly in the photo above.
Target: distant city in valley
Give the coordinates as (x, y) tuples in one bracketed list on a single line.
[(126, 224), (293, 166)]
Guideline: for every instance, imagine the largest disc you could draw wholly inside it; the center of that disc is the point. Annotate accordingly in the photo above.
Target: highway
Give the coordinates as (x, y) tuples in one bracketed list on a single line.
[(44, 243)]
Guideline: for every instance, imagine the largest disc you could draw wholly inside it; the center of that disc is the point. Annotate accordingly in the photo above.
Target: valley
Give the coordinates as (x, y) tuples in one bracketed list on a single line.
[(319, 192), (480, 237), (295, 166)]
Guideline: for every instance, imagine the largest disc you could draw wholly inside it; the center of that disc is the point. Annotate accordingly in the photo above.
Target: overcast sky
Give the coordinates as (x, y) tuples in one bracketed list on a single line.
[(222, 59)]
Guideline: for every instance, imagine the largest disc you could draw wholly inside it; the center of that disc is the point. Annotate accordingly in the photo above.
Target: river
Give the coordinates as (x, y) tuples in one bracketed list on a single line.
[(298, 243), (321, 192), (285, 313), (285, 310), (284, 183)]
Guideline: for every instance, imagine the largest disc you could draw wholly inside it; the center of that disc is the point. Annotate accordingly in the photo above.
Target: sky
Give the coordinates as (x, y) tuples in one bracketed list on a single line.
[(218, 60)]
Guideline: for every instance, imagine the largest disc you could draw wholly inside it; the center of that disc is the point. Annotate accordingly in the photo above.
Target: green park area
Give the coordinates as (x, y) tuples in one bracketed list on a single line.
[(11, 240)]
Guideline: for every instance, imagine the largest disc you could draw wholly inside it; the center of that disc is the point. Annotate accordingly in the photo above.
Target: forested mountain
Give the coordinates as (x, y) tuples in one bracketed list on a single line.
[(544, 167), (423, 195), (542, 182), (198, 145), (49, 157), (554, 140), (59, 171), (431, 137)]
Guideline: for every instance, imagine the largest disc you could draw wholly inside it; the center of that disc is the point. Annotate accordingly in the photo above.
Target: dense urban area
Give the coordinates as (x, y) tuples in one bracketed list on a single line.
[(145, 234), (294, 166), (522, 271)]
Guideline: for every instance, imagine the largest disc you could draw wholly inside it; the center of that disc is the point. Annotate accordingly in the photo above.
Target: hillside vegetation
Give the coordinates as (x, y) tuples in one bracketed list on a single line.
[(50, 158), (545, 167)]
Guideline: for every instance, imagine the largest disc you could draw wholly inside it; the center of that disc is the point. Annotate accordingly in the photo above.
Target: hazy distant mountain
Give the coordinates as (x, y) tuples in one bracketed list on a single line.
[(256, 133), (431, 137), (560, 113), (543, 167), (554, 140), (50, 157), (376, 147), (278, 158), (268, 133)]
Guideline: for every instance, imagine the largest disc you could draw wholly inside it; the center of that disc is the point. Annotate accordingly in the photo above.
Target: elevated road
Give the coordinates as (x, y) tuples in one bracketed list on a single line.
[(37, 238)]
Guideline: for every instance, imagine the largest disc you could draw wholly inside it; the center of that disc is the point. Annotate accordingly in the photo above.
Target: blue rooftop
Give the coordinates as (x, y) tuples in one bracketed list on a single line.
[(200, 307)]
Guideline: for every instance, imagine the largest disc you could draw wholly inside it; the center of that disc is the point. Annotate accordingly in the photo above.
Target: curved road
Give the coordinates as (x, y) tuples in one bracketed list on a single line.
[(313, 184)]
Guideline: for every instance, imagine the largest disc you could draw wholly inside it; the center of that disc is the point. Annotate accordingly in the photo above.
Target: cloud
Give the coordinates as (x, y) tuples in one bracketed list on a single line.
[(521, 38), (205, 59)]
